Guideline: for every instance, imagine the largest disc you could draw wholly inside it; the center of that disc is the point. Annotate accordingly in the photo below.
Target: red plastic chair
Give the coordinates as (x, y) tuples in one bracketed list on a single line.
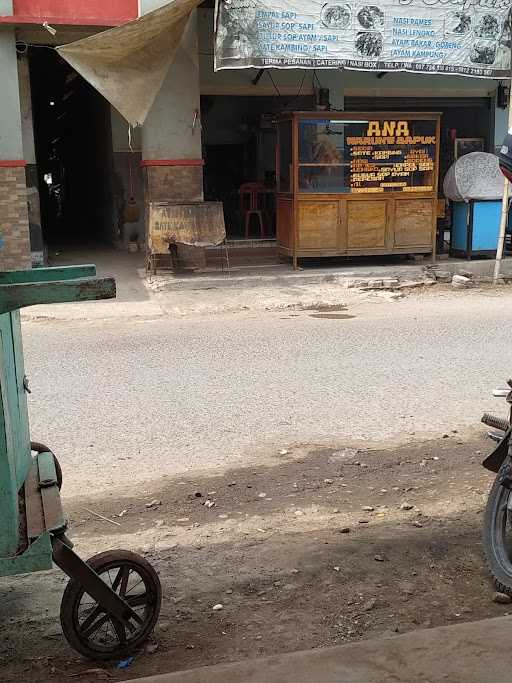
[(252, 203)]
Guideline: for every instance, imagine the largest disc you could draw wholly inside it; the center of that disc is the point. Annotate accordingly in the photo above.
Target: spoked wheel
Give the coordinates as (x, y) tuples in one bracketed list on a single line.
[(497, 535), (95, 633)]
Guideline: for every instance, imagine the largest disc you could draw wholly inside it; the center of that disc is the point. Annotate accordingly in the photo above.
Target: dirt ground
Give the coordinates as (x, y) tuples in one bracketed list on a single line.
[(289, 551)]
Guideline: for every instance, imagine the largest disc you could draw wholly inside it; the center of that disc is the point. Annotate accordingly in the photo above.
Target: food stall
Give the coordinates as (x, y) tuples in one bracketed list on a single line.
[(474, 185), (354, 184)]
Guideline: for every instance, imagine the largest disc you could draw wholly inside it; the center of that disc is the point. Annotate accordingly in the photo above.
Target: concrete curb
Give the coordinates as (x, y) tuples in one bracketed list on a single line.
[(477, 652), (480, 270)]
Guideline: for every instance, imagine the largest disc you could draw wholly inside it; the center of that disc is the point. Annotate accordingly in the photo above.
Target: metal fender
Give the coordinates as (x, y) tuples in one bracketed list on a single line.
[(494, 461)]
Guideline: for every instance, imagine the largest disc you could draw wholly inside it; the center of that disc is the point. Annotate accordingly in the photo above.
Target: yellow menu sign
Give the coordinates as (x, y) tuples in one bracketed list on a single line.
[(392, 156)]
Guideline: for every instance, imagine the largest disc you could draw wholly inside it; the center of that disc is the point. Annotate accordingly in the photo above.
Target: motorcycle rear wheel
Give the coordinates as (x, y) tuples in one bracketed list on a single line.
[(497, 537)]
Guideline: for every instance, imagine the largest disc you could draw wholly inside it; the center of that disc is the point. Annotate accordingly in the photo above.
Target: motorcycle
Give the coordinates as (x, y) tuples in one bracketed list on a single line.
[(497, 531)]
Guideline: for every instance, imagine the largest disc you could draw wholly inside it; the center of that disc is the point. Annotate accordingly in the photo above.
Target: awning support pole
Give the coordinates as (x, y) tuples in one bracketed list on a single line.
[(506, 191), (503, 222)]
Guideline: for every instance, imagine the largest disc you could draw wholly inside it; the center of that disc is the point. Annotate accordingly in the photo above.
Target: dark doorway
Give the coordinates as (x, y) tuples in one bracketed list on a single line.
[(239, 141), (224, 171), (73, 140)]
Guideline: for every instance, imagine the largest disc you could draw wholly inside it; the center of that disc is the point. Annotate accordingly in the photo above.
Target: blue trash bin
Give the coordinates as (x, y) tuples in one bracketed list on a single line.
[(475, 228)]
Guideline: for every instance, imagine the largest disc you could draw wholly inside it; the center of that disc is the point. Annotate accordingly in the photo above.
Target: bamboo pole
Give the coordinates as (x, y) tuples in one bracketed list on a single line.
[(506, 191), (504, 212)]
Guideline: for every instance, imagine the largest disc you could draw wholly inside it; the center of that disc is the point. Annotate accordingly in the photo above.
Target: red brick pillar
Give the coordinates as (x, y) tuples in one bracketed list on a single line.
[(179, 181), (171, 138), (175, 180), (14, 231)]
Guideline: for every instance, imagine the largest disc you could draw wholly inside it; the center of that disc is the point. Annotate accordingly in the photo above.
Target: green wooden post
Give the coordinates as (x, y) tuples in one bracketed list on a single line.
[(9, 519), (17, 290)]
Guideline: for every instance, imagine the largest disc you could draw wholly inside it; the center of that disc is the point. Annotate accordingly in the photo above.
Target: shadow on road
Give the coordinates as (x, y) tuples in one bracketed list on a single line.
[(291, 553)]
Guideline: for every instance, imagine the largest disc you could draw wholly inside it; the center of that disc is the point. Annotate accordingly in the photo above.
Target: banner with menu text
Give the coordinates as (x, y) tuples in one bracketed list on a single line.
[(466, 37)]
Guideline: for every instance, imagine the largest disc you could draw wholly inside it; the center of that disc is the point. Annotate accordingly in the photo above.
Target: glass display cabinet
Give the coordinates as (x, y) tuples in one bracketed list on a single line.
[(353, 184)]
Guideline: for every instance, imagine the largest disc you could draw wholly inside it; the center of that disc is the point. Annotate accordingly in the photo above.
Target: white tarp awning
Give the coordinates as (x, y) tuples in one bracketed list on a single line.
[(474, 176), (128, 64)]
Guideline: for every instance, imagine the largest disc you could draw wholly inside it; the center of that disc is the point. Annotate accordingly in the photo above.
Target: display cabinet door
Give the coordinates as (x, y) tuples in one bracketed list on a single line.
[(319, 224), (366, 224), (414, 222), (285, 231)]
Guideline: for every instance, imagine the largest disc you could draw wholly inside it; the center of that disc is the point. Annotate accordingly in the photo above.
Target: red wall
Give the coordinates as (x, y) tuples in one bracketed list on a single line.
[(81, 12)]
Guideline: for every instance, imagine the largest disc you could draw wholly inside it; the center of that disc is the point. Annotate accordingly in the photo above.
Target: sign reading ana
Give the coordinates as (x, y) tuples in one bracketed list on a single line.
[(386, 128), (467, 37)]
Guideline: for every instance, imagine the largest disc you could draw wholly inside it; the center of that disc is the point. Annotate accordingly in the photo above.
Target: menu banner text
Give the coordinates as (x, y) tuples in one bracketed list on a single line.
[(465, 37)]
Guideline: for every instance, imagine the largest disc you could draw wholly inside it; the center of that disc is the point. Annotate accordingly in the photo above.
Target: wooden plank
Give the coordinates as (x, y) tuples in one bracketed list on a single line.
[(33, 504), (413, 222), (438, 154), (21, 295), (295, 188), (46, 274), (285, 222), (395, 250), (367, 224), (357, 197), (343, 226), (433, 236), (318, 224), (390, 224), (193, 224), (54, 519), (312, 253)]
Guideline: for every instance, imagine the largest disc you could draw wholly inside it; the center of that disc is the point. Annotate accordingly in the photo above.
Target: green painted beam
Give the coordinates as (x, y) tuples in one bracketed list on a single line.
[(36, 558), (9, 504), (46, 274), (30, 294), (17, 396)]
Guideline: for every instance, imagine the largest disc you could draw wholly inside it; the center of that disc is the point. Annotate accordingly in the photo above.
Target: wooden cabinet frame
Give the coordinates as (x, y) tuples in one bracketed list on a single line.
[(394, 222)]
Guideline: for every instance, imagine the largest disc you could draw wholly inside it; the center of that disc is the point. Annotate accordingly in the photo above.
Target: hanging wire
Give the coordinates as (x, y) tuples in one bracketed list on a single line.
[(299, 91), (301, 86), (315, 78), (22, 47), (273, 82)]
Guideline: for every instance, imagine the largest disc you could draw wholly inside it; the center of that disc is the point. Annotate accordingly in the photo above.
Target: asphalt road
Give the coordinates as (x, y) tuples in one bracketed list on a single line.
[(124, 403)]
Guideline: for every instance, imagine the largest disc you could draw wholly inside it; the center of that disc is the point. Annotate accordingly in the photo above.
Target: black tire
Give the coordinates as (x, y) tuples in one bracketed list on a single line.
[(92, 646), (497, 537)]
